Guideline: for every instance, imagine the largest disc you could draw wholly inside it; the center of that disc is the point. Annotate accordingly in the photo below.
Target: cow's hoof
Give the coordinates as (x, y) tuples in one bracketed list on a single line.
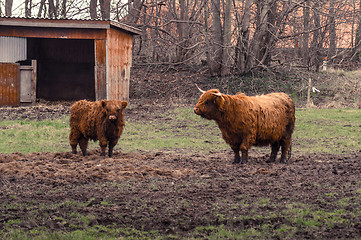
[(102, 154), (236, 160), (271, 160), (244, 161), (74, 152), (283, 160)]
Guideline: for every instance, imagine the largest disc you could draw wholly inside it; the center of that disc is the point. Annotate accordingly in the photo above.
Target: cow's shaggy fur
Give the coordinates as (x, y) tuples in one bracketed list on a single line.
[(102, 120), (246, 121)]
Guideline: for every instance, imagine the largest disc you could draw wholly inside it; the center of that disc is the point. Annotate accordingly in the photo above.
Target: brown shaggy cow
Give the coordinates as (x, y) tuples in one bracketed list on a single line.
[(103, 121), (246, 121)]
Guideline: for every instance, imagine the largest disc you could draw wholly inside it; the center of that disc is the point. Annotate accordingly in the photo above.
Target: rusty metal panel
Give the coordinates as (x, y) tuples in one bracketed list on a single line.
[(119, 50), (100, 70), (9, 84), (63, 33), (12, 49)]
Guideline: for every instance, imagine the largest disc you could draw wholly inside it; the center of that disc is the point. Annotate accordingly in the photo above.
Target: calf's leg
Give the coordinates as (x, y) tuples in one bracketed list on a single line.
[(112, 143), (83, 143), (237, 157), (103, 142), (73, 137)]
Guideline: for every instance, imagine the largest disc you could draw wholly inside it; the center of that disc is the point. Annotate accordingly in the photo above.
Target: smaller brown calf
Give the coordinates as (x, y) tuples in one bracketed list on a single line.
[(102, 120)]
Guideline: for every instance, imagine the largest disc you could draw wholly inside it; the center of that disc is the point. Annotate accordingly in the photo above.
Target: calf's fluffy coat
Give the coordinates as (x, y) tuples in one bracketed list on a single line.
[(246, 121), (101, 120)]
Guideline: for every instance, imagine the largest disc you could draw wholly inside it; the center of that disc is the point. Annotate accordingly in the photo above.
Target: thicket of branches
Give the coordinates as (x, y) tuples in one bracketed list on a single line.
[(225, 36)]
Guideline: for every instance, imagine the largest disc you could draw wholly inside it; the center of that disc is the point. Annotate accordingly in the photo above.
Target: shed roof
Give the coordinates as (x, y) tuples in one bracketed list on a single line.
[(67, 23)]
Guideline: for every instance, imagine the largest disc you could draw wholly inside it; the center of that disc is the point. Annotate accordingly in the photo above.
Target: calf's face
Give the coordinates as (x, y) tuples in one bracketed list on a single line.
[(114, 109)]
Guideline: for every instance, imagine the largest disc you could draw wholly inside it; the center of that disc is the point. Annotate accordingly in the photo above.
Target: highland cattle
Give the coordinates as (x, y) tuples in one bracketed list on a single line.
[(247, 121), (101, 120)]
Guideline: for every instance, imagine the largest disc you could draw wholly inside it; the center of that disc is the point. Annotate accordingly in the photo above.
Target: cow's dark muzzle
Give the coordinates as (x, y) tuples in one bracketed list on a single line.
[(112, 118), (197, 111)]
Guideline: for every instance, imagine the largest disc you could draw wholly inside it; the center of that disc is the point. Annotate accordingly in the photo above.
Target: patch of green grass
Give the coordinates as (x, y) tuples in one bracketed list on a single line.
[(328, 130), (178, 128), (34, 136), (317, 130), (92, 233)]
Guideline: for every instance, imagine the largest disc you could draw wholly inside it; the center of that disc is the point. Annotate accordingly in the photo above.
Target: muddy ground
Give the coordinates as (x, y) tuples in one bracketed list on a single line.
[(173, 192)]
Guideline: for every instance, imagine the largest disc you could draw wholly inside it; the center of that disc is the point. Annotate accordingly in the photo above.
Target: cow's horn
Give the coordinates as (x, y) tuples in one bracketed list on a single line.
[(217, 94), (202, 91)]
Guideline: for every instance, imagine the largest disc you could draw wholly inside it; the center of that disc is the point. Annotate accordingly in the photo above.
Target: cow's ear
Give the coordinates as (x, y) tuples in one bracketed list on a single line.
[(103, 103), (220, 102), (124, 104)]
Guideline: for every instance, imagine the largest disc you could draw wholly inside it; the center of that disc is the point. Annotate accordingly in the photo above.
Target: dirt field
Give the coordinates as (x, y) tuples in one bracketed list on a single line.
[(174, 192)]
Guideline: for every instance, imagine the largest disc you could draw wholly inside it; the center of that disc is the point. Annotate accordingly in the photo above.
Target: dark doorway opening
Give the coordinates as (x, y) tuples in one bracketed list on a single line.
[(65, 68)]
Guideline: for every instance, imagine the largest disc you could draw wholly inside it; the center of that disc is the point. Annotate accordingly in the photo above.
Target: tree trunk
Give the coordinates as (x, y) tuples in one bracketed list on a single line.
[(227, 37), (260, 35), (244, 48), (316, 41), (8, 8), (52, 10), (27, 8), (41, 7), (181, 25), (63, 9), (332, 47), (217, 37), (93, 9), (135, 8), (357, 48), (105, 9), (306, 35), (209, 59)]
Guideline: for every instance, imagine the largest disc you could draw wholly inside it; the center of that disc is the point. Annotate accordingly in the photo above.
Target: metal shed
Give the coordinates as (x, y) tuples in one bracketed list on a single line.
[(64, 59)]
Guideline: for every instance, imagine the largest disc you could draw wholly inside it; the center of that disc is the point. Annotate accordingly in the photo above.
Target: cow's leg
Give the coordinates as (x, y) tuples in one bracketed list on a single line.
[(73, 137), (244, 149), (83, 143), (112, 143), (237, 157), (244, 155), (286, 147), (275, 147), (103, 142)]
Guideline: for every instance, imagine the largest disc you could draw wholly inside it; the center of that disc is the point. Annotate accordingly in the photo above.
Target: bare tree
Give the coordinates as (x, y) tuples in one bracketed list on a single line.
[(357, 48), (52, 9), (317, 38), (306, 34), (93, 9), (105, 9), (216, 38), (134, 11), (332, 38), (243, 23), (227, 37), (28, 6), (8, 7)]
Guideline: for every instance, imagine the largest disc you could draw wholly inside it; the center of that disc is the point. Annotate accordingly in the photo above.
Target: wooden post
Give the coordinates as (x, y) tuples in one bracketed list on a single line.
[(33, 81), (309, 102)]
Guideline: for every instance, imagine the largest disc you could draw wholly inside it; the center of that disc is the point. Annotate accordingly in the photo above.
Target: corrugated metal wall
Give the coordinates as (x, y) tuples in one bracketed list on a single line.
[(119, 51), (9, 84), (12, 49)]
